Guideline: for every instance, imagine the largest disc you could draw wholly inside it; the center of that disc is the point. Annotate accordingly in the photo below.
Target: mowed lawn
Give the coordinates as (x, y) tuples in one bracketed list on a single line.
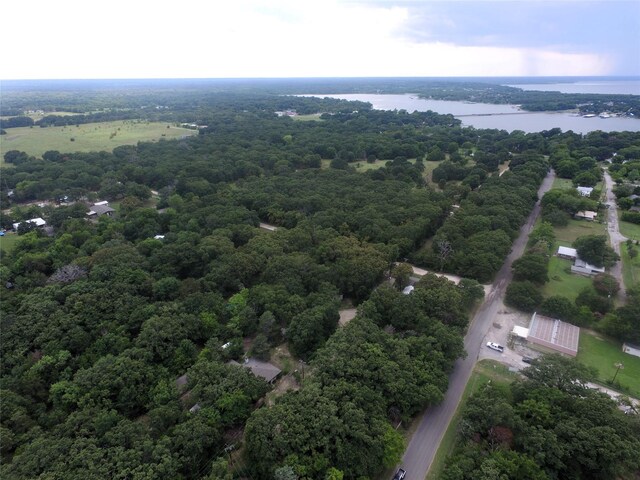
[(603, 354), (8, 241), (630, 230), (103, 136), (561, 281), (630, 266), (579, 228)]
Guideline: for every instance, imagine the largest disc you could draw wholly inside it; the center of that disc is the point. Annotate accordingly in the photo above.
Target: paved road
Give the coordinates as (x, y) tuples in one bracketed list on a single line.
[(614, 234), (426, 439)]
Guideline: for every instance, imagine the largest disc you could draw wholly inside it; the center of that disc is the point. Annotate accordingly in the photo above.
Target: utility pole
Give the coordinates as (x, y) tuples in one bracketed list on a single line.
[(619, 365)]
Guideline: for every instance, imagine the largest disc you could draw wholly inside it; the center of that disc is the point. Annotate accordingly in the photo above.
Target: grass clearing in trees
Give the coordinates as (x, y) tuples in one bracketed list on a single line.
[(88, 137)]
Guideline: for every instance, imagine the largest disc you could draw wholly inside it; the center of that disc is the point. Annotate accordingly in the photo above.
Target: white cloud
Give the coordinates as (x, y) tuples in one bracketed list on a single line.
[(244, 38)]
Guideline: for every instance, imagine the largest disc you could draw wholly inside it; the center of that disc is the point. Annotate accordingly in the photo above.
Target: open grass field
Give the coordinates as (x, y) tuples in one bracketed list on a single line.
[(8, 242), (362, 166), (602, 354), (484, 372), (579, 228), (87, 137), (630, 267), (562, 281), (307, 117)]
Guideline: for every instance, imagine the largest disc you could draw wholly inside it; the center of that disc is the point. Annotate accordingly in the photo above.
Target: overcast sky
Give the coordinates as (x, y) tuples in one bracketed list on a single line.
[(326, 38)]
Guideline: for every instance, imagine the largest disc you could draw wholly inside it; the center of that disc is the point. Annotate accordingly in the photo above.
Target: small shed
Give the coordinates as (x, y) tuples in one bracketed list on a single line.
[(584, 191), (631, 349), (520, 332)]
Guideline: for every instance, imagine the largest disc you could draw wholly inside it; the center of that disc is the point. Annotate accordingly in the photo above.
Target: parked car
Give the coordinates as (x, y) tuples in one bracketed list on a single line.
[(526, 359), (495, 346), (400, 474)]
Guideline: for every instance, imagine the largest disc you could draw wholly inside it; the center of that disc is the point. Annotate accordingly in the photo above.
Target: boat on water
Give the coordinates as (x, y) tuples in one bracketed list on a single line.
[(589, 115)]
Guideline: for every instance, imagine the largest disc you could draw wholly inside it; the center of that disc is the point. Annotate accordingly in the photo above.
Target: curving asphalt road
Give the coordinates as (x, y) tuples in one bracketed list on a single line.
[(434, 422)]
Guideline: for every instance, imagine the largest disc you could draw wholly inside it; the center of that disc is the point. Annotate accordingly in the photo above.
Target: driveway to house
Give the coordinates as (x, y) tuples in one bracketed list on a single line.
[(434, 422), (615, 236)]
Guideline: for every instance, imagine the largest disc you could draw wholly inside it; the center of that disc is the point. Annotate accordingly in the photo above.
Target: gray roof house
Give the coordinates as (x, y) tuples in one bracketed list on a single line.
[(99, 210), (264, 370)]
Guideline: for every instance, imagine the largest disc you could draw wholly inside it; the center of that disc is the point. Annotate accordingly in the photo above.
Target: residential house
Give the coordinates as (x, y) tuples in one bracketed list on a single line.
[(264, 370), (587, 215), (583, 268), (38, 222), (99, 209)]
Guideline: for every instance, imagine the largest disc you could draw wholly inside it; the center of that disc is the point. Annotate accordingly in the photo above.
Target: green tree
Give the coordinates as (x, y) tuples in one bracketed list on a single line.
[(531, 267), (394, 446), (524, 296), (595, 250)]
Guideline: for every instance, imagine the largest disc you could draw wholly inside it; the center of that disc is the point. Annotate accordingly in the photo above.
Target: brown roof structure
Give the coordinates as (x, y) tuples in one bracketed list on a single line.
[(554, 334)]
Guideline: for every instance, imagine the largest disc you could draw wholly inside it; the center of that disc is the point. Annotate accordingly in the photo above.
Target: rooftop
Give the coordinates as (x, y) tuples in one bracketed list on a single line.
[(555, 334), (264, 370)]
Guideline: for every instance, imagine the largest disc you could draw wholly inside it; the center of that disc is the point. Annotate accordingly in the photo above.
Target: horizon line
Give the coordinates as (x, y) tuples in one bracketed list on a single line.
[(636, 76)]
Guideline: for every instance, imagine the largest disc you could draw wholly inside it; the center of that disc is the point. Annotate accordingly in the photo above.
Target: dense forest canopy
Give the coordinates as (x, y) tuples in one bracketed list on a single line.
[(101, 317)]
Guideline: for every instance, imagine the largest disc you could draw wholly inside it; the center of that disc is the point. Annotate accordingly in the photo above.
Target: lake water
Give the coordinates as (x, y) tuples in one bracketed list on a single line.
[(623, 87), (502, 117)]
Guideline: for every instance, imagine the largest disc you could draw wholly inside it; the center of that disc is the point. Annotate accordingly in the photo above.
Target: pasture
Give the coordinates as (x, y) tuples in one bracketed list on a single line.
[(88, 137)]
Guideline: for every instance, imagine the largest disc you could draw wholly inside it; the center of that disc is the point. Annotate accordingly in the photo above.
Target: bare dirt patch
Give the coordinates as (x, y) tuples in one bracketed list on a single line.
[(347, 315)]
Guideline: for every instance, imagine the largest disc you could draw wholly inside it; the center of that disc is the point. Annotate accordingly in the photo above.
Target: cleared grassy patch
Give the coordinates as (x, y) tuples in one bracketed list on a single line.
[(8, 242), (603, 354), (630, 267), (579, 228), (484, 372), (630, 230), (308, 117), (88, 137), (562, 281), (562, 183), (364, 166), (429, 167)]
